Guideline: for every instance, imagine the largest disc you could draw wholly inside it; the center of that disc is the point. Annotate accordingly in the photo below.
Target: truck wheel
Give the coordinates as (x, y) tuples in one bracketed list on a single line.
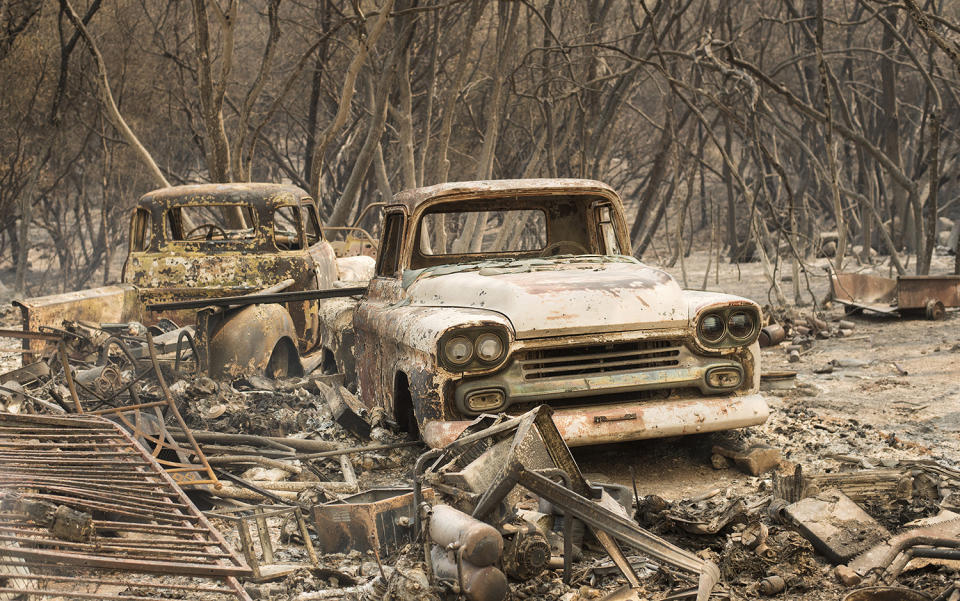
[(283, 361)]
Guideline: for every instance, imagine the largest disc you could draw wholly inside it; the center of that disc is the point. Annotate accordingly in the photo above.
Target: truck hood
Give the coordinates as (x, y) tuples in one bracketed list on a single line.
[(555, 297)]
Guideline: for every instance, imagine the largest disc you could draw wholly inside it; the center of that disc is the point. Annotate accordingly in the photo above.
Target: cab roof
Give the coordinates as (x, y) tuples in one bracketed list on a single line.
[(255, 194), (417, 197)]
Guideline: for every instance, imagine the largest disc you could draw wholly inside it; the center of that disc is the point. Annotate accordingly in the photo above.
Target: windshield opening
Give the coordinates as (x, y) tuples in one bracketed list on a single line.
[(485, 232), (215, 222)]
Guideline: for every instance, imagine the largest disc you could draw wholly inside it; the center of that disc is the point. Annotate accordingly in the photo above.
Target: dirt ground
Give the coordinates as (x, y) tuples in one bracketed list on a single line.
[(921, 408), (895, 395), (901, 401)]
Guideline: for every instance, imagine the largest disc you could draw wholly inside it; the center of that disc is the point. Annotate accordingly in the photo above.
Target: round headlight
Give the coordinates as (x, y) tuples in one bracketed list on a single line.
[(458, 350), (711, 327), (740, 325), (489, 347)]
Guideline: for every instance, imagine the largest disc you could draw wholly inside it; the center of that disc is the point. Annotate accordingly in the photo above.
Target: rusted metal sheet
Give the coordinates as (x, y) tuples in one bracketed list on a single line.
[(914, 292), (863, 289), (929, 293), (115, 304), (145, 538), (377, 519), (836, 525)]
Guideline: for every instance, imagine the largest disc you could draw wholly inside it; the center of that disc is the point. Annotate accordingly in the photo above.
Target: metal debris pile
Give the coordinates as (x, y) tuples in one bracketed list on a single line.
[(796, 333), (308, 496)]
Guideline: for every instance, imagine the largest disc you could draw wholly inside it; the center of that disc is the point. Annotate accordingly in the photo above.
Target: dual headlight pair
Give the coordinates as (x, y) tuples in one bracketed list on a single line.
[(734, 326), (472, 349)]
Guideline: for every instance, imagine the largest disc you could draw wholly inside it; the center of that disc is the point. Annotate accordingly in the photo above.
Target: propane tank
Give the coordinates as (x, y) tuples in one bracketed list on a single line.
[(478, 583), (479, 544)]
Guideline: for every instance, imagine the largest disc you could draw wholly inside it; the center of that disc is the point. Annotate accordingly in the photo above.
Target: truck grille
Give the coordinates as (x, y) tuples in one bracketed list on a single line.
[(599, 359)]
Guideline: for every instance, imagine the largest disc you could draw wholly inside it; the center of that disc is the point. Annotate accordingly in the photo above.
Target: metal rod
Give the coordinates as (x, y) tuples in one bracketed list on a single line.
[(176, 413), (258, 299), (124, 583), (305, 533), (68, 376), (28, 335)]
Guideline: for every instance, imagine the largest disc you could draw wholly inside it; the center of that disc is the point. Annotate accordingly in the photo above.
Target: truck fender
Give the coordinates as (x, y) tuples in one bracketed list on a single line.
[(254, 340)]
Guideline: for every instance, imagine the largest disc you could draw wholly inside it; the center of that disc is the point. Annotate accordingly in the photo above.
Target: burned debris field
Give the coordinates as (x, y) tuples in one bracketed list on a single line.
[(479, 300), (140, 476)]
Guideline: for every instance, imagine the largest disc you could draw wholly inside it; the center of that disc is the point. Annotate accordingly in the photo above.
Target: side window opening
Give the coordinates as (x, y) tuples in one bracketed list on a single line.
[(287, 227), (389, 260), (141, 231), (311, 224), (607, 232)]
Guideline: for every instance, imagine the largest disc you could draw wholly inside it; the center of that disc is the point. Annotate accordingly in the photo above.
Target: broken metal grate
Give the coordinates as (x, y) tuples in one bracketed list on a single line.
[(87, 513), (144, 418)]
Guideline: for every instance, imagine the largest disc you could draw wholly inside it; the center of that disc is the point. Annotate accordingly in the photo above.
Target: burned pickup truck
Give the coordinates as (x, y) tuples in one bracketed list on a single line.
[(497, 296), (212, 241)]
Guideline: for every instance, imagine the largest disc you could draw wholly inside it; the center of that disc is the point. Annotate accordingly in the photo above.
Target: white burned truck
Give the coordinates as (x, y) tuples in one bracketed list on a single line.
[(497, 296)]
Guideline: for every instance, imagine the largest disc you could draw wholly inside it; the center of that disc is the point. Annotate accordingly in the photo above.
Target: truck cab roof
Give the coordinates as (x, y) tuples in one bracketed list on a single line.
[(416, 198), (254, 194)]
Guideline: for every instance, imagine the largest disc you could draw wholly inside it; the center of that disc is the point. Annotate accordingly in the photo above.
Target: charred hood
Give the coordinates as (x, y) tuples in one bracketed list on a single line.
[(553, 297)]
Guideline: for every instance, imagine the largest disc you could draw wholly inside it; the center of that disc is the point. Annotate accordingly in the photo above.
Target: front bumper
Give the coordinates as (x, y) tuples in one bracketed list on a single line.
[(639, 420)]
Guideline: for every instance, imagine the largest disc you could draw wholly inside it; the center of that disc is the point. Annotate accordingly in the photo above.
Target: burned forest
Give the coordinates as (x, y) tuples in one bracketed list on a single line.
[(479, 300)]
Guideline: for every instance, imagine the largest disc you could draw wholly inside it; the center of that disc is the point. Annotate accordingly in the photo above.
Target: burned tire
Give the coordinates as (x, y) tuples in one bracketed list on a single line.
[(935, 310)]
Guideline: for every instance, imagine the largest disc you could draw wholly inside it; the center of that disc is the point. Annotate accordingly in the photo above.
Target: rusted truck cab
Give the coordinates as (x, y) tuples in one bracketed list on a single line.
[(215, 240), (497, 296)]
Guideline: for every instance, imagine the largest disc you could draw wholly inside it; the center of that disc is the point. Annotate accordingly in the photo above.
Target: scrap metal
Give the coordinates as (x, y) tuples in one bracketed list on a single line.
[(380, 519), (941, 540), (931, 294), (837, 527), (144, 418), (258, 299), (264, 564), (529, 452), (146, 539)]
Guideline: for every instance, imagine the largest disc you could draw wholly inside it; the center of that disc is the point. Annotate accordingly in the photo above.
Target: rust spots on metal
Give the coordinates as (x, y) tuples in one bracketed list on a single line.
[(598, 320)]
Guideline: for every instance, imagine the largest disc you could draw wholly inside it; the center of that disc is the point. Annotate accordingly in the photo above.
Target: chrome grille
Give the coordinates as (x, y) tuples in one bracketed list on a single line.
[(593, 359)]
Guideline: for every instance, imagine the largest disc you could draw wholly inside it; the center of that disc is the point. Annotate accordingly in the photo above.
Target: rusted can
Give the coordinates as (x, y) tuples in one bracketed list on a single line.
[(476, 583), (479, 543), (772, 334), (771, 585)]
